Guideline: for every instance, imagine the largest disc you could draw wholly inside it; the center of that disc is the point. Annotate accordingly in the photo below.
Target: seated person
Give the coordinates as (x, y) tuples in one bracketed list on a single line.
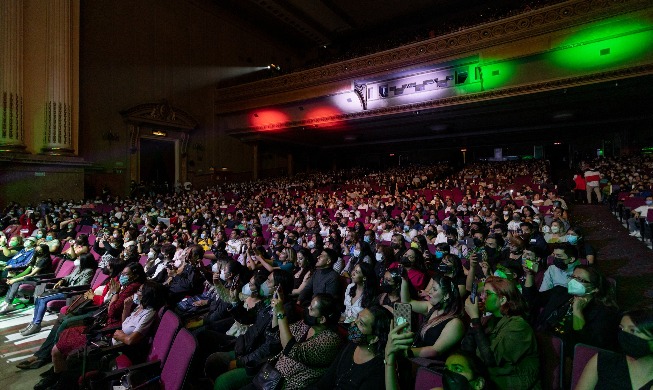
[(413, 263), (309, 346), (360, 293), (324, 280), (18, 262), (564, 262), (138, 313), (78, 247), (632, 369), (9, 247), (185, 277), (390, 289), (52, 242), (504, 341), (360, 364), (41, 263), (584, 311), (442, 329)]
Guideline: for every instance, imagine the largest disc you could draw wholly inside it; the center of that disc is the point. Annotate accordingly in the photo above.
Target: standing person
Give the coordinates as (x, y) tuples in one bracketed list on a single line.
[(579, 188), (592, 178)]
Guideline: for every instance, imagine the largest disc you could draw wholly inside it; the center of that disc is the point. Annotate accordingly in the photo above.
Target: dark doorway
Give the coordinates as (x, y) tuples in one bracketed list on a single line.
[(157, 162)]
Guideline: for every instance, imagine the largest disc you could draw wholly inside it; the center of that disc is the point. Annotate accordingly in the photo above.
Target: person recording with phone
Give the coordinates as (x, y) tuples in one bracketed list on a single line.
[(442, 329), (504, 341)]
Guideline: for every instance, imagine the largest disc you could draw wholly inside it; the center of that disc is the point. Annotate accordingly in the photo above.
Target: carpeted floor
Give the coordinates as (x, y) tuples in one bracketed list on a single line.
[(626, 259)]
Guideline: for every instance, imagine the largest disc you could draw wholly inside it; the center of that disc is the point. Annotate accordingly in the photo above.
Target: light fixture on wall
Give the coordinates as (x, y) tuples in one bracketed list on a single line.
[(159, 133)]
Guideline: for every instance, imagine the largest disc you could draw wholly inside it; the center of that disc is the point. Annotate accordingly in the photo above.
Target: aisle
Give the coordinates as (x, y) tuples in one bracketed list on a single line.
[(620, 256)]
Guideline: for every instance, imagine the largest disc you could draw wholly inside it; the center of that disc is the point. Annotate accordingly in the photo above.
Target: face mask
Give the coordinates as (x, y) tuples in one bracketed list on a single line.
[(136, 300), (555, 229), (576, 288), (633, 346), (77, 263), (414, 245), (39, 236), (124, 280), (572, 239), (560, 263), (48, 238), (214, 268), (405, 261), (379, 256), (536, 221), (355, 335), (309, 319), (150, 255), (246, 290), (367, 239), (311, 244), (439, 254), (451, 241), (478, 242), (386, 287), (106, 271), (649, 202), (223, 275), (29, 244), (265, 290), (395, 245), (506, 213), (406, 228), (445, 268), (432, 221), (177, 263), (39, 225), (202, 236), (115, 235), (454, 381), (356, 252)]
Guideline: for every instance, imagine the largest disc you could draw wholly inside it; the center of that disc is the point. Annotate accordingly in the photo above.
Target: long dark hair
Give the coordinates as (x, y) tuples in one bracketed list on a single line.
[(153, 295), (380, 326), (604, 292), (369, 285)]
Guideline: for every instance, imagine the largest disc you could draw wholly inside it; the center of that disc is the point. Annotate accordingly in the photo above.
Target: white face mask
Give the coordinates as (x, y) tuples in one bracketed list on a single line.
[(77, 263), (223, 275), (214, 268), (150, 255), (356, 252), (311, 244), (379, 256), (177, 263)]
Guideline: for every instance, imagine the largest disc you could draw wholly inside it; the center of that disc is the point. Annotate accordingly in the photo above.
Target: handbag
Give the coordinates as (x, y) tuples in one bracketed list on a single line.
[(268, 378), (78, 304)]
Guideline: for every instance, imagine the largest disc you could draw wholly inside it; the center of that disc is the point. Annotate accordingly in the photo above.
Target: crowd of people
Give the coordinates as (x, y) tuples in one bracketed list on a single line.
[(313, 273)]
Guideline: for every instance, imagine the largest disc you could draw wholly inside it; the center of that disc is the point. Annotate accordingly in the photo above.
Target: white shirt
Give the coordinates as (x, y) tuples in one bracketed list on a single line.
[(352, 308)]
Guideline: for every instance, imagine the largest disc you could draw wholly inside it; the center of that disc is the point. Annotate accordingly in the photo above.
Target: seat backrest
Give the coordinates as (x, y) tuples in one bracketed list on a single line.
[(582, 354), (99, 278), (176, 366), (551, 360), (165, 334), (427, 379), (66, 268), (649, 216)]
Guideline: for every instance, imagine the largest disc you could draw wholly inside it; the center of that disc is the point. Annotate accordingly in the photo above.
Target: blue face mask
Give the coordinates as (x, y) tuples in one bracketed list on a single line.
[(124, 280), (439, 254), (572, 239), (367, 239)]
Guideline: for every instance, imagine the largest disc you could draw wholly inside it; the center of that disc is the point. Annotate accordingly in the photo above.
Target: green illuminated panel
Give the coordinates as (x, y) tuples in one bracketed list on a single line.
[(605, 46)]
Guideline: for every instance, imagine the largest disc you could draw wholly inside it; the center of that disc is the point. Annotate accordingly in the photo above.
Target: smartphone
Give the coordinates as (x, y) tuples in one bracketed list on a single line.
[(472, 296), (403, 314)]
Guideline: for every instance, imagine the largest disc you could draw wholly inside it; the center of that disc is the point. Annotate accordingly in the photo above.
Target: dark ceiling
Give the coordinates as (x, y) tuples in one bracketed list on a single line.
[(317, 23), (563, 115)]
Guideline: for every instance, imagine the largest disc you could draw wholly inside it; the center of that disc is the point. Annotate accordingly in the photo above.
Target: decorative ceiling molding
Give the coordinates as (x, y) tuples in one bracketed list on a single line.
[(161, 114), (515, 28), (525, 89)]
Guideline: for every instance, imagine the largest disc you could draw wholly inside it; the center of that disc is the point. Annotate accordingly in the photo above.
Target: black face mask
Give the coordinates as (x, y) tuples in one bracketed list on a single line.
[(445, 268), (395, 245), (387, 288), (478, 242), (454, 381), (490, 251), (106, 271), (405, 261), (451, 241), (633, 346), (560, 263), (309, 319)]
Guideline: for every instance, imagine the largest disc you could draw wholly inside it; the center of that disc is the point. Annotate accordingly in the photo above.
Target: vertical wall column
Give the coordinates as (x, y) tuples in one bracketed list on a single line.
[(291, 165), (12, 133), (58, 133)]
